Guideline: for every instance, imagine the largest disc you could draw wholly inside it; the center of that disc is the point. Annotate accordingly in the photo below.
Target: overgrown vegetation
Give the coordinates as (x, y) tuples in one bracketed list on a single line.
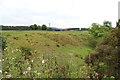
[(105, 63), (65, 54), (98, 31), (4, 43), (45, 54)]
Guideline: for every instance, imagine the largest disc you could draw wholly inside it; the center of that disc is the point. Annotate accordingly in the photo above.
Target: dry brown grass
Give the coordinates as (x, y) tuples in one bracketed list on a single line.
[(63, 39)]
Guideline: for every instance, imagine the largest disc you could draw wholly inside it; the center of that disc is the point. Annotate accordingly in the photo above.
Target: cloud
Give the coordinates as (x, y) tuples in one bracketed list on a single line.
[(60, 13)]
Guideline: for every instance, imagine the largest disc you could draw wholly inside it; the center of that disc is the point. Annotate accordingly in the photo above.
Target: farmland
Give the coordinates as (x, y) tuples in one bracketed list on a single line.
[(45, 54)]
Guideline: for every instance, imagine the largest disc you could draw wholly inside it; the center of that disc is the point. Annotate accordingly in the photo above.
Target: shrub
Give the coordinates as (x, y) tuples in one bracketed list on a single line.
[(92, 41), (4, 44), (106, 61), (26, 52)]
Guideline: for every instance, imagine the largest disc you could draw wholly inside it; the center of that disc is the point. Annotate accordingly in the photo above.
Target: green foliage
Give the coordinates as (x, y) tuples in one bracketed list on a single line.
[(107, 24), (106, 61), (98, 30), (34, 27), (39, 27), (92, 41), (26, 52), (118, 24), (44, 27), (4, 43), (35, 54)]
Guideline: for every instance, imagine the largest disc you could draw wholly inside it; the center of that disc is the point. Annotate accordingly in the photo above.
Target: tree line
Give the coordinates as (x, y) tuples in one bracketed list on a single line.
[(31, 27)]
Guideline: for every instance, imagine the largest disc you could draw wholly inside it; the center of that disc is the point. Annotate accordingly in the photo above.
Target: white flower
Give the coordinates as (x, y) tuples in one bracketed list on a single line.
[(0, 60), (35, 71), (83, 66), (29, 68), (25, 72), (39, 73), (5, 72), (8, 76), (17, 49), (12, 51), (43, 61), (35, 50), (13, 58), (31, 60), (46, 71), (0, 71), (5, 48)]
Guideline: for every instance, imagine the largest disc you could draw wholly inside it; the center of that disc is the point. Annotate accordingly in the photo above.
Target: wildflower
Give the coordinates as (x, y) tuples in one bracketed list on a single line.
[(39, 73), (35, 71), (12, 51), (0, 60), (83, 66), (25, 72), (13, 58), (20, 51), (29, 68), (8, 76), (31, 51), (6, 49), (35, 51), (31, 60), (96, 73), (0, 71), (43, 61), (11, 63), (112, 77), (7, 66), (5, 72), (17, 49), (46, 71)]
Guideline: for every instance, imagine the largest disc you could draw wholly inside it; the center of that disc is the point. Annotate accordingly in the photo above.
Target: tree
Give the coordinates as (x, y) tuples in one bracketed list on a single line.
[(98, 30), (107, 24), (118, 23), (34, 27), (44, 27), (39, 27), (106, 62), (95, 29)]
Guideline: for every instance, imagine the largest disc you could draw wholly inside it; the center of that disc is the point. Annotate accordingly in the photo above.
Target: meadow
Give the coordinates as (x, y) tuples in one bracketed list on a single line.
[(45, 54)]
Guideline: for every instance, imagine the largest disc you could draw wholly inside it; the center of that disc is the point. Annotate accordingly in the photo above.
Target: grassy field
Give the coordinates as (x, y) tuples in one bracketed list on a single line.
[(45, 54)]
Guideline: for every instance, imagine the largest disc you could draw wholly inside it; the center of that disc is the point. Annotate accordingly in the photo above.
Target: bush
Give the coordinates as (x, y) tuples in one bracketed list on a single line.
[(26, 52), (4, 44), (44, 27), (98, 30), (92, 41), (106, 61)]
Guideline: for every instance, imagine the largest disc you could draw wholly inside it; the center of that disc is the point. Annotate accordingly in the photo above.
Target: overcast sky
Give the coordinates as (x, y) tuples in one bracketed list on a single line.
[(60, 13)]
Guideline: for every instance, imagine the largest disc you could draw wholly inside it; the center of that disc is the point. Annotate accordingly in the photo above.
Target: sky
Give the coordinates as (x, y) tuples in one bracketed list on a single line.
[(59, 13)]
